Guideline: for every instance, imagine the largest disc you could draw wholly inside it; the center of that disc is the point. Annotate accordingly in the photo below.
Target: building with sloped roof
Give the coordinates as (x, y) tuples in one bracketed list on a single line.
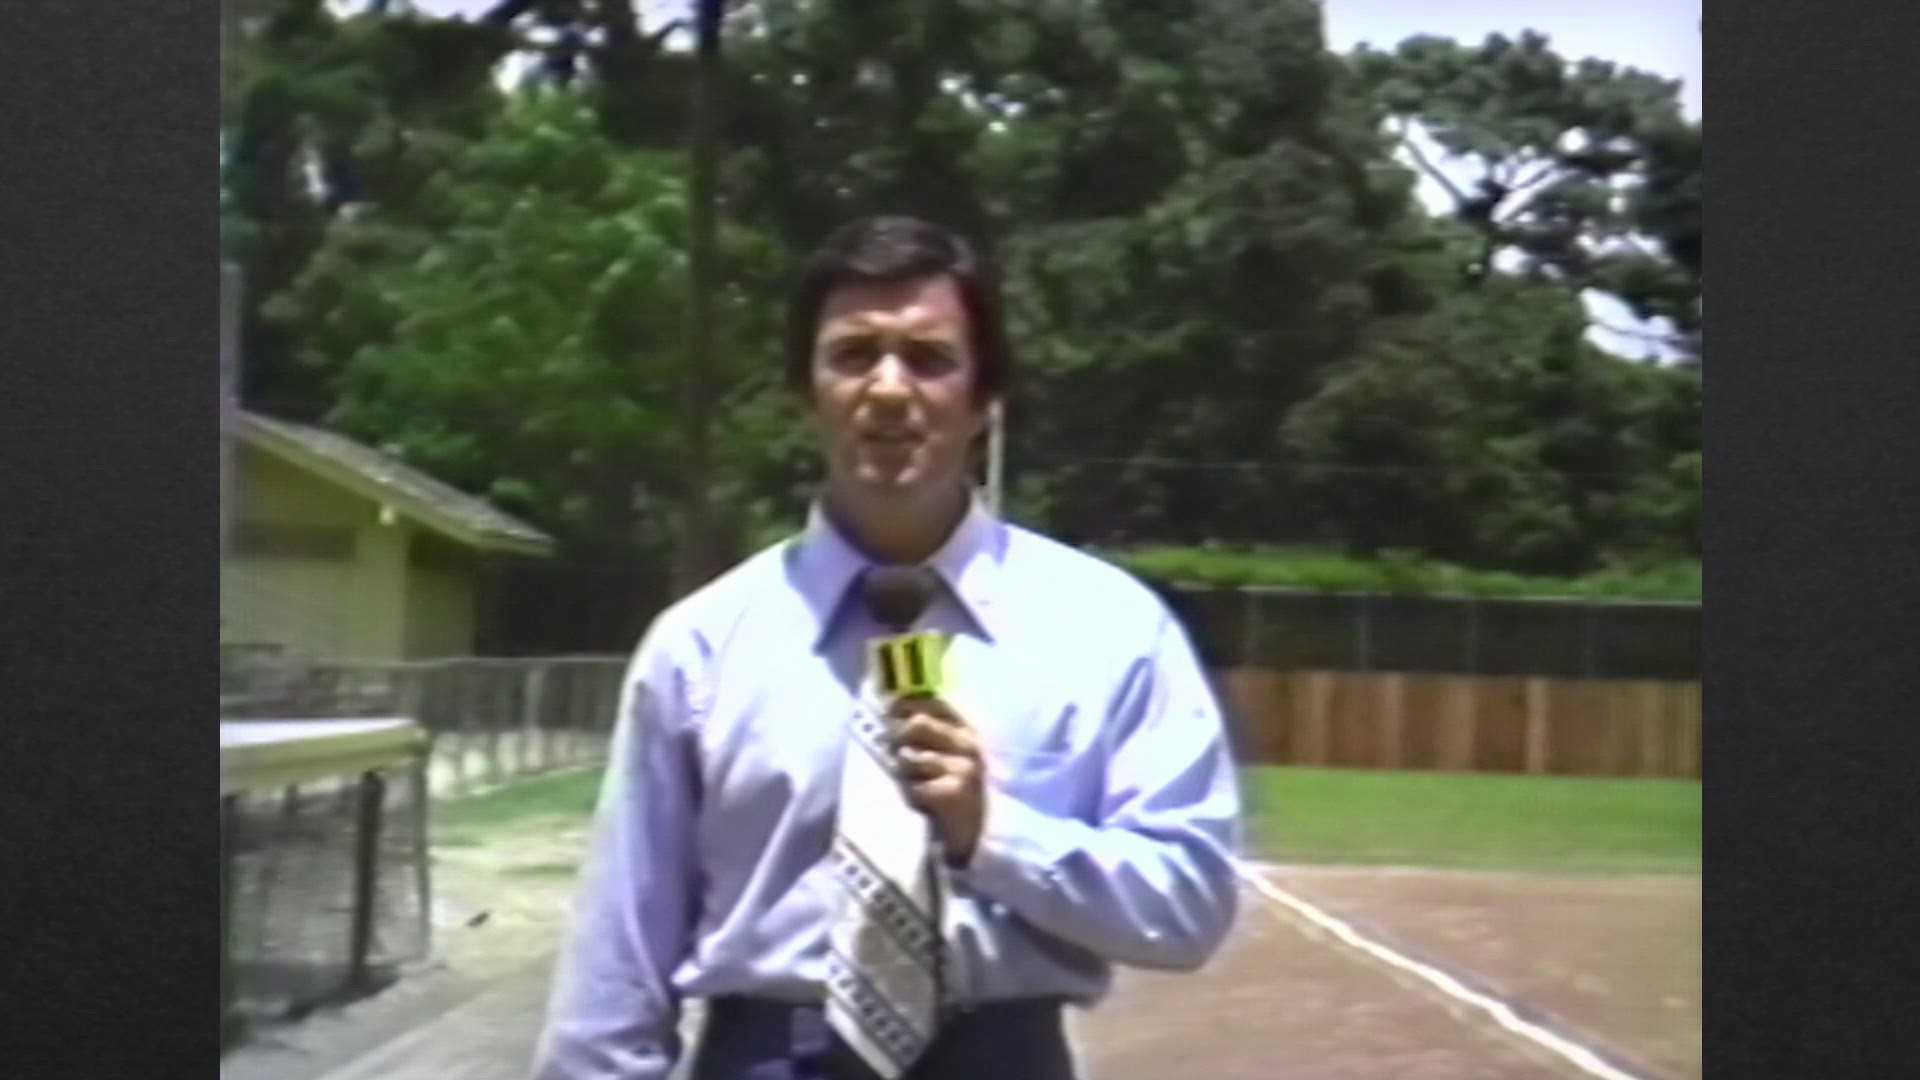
[(341, 552)]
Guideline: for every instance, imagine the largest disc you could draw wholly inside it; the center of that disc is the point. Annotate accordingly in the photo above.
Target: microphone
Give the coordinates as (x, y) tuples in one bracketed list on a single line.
[(907, 664), (896, 595)]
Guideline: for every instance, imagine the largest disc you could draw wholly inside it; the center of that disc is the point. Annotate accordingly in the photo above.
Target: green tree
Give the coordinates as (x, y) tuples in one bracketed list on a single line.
[(1490, 433), (1194, 211), (1664, 209), (1216, 223), (603, 49), (518, 330), (838, 107), (1587, 172), (1236, 323), (324, 114)]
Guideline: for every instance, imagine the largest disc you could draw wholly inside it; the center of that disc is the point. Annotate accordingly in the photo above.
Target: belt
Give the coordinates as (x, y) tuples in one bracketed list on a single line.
[(743, 1009), (747, 1036)]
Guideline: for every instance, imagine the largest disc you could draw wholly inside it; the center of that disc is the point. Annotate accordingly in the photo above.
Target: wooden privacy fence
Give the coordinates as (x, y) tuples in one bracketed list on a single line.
[(495, 720), (492, 719), (1374, 720)]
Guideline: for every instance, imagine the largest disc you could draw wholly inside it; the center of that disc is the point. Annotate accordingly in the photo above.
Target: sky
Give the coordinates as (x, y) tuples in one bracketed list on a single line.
[(1662, 36), (1659, 36)]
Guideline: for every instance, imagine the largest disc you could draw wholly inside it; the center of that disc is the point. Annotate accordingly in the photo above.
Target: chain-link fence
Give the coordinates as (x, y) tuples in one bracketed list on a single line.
[(325, 877), (326, 871), (492, 719), (1286, 630)]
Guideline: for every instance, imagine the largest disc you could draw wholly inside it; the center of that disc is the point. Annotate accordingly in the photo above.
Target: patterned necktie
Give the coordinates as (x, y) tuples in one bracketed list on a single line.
[(883, 968)]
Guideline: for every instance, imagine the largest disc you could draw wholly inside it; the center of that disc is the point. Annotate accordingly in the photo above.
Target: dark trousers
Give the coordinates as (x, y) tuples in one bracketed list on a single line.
[(754, 1040)]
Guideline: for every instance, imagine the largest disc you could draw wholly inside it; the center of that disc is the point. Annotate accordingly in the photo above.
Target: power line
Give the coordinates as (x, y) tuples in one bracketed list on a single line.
[(1053, 459)]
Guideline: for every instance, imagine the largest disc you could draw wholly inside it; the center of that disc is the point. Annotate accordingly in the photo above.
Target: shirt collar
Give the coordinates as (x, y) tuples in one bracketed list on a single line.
[(827, 564)]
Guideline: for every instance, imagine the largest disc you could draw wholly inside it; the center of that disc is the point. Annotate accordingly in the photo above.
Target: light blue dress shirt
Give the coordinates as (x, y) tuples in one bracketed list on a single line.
[(1112, 811)]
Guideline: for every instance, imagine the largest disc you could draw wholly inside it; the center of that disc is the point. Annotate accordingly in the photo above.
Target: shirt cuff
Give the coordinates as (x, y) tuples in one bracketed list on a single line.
[(1019, 851)]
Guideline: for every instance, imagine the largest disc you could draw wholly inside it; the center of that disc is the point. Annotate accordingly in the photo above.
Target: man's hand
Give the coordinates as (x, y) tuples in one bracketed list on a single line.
[(942, 767)]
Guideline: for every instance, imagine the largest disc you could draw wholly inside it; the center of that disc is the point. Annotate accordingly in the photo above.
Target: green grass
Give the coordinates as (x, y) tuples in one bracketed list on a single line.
[(559, 868), (1325, 571), (1454, 820), (565, 796), (1474, 821)]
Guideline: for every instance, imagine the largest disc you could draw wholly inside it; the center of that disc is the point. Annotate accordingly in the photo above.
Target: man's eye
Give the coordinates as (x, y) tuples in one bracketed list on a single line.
[(928, 358), (852, 354)]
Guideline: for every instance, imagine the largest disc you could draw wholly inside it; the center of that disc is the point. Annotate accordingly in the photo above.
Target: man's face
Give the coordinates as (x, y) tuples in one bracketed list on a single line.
[(893, 379)]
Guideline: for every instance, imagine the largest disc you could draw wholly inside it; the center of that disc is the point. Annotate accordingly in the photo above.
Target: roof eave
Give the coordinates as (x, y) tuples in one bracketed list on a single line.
[(496, 543), (420, 510)]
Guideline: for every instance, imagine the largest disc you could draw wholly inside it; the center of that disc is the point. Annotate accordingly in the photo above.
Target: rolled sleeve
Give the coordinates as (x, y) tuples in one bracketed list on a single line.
[(1150, 882)]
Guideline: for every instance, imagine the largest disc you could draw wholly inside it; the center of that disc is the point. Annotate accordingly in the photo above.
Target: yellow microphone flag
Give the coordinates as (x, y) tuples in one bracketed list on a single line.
[(909, 665)]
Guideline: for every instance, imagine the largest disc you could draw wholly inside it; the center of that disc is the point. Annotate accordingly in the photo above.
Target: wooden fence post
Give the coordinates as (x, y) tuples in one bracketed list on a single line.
[(1538, 727), (1463, 709), (1621, 758), (1393, 721), (1317, 718), (1650, 701)]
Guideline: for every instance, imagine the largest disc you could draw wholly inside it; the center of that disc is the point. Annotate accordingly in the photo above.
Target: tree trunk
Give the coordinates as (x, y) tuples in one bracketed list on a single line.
[(695, 541)]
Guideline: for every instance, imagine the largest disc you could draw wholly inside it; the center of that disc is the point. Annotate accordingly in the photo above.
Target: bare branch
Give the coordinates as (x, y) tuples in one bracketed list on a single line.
[(1672, 341), (658, 37), (1513, 209), (1420, 159), (1546, 170), (503, 13), (1644, 247)]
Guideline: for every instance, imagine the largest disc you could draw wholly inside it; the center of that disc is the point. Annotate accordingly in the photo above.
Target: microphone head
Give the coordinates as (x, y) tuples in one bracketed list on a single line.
[(896, 595)]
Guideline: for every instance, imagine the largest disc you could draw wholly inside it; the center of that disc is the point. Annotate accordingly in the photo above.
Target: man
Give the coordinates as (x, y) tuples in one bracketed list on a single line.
[(1069, 789)]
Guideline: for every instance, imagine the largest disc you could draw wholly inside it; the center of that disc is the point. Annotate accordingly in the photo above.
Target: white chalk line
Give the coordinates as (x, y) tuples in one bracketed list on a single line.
[(1502, 1013)]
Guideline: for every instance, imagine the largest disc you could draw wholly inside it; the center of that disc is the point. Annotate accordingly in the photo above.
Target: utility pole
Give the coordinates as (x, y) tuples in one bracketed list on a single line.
[(694, 554), (997, 456)]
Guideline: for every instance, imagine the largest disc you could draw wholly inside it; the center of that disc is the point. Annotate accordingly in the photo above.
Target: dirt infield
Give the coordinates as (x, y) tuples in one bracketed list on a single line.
[(1282, 1001), (1611, 963)]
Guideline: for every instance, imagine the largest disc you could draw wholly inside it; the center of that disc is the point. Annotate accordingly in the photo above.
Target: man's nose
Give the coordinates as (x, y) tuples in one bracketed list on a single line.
[(890, 380)]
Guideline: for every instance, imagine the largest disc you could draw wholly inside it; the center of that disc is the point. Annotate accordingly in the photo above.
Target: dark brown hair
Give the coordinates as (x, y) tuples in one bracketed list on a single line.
[(891, 248)]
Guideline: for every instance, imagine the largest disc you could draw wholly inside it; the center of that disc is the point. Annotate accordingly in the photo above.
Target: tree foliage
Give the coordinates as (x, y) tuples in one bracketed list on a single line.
[(517, 330), (1490, 433), (322, 114), (1586, 170), (1236, 323)]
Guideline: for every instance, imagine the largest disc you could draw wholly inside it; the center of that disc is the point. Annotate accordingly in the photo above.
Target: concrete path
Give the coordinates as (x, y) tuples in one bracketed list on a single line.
[(490, 1037), (1279, 1002)]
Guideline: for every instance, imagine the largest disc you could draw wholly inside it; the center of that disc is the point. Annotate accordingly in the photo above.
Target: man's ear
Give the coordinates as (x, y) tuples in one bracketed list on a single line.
[(982, 419), (983, 415)]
